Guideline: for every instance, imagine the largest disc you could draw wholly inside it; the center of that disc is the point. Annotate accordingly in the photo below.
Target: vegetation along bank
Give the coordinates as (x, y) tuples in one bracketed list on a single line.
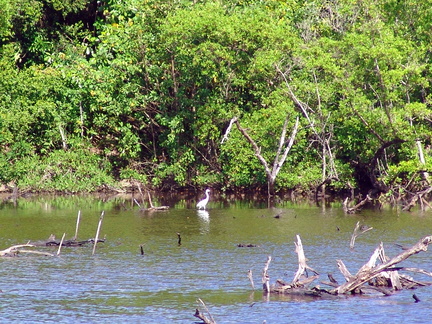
[(235, 95)]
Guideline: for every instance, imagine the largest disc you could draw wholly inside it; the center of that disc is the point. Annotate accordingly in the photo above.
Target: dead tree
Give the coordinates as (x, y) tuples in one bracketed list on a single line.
[(151, 208), (16, 249), (302, 266), (199, 314), (370, 271), (384, 277), (320, 126), (358, 230), (356, 208), (282, 151)]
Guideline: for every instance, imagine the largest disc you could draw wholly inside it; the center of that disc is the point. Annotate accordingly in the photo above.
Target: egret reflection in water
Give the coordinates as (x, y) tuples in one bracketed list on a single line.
[(204, 217)]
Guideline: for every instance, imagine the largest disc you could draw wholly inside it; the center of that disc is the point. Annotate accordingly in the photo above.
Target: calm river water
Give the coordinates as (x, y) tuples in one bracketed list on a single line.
[(119, 285)]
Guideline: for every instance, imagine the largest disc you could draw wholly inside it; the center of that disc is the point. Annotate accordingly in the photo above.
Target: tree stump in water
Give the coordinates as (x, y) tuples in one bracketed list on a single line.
[(383, 277)]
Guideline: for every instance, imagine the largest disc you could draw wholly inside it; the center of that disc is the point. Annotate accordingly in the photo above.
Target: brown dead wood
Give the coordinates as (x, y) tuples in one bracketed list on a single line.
[(370, 271), (356, 208), (152, 207), (199, 314), (418, 196), (383, 277)]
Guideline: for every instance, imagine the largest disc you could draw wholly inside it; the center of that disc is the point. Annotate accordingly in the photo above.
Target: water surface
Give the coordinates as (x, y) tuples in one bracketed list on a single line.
[(118, 284)]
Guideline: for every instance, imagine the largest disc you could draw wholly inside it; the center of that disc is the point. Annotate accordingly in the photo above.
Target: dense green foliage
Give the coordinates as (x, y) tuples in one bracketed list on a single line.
[(93, 92)]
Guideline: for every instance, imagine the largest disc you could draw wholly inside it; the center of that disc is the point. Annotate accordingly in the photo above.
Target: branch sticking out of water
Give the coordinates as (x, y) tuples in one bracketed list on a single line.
[(77, 225), (369, 271), (266, 277), (358, 230), (352, 210), (97, 232), (201, 316), (251, 279), (303, 267), (61, 243)]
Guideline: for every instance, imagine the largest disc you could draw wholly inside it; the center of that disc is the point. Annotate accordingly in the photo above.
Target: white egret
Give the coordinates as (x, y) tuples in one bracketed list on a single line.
[(202, 204)]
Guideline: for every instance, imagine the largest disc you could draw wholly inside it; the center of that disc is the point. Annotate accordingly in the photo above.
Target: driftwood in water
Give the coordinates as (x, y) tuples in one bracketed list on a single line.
[(303, 267), (265, 276), (74, 242), (61, 244), (384, 277), (77, 225), (97, 232), (370, 271), (418, 196), (151, 208), (301, 281), (69, 243), (352, 210), (16, 249), (250, 277), (358, 230), (199, 314), (246, 245)]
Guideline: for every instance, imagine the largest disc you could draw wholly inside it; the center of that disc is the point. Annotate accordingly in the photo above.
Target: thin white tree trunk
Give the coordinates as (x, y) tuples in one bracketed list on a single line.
[(422, 158), (281, 154)]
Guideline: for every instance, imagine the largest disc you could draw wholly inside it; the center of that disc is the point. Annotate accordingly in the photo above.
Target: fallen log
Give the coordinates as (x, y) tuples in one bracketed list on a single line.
[(352, 210), (418, 196), (16, 249), (151, 208), (68, 243), (369, 271)]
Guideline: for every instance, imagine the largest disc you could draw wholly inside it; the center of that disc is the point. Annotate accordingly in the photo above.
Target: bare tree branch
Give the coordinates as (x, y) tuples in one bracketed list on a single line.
[(284, 146), (368, 271)]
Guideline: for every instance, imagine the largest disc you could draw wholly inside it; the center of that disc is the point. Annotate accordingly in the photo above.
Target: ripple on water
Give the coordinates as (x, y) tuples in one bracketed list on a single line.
[(119, 284)]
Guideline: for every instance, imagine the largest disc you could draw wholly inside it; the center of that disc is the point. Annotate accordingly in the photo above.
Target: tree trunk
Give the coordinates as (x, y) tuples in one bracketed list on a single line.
[(281, 153)]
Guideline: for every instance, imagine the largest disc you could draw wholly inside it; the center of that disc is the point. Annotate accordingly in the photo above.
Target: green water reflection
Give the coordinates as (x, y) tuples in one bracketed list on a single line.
[(119, 284)]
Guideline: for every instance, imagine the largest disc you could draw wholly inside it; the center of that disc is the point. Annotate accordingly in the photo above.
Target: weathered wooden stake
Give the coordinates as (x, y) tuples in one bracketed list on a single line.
[(61, 243), (266, 277), (251, 279), (97, 232), (301, 261), (179, 239), (77, 225), (142, 249)]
